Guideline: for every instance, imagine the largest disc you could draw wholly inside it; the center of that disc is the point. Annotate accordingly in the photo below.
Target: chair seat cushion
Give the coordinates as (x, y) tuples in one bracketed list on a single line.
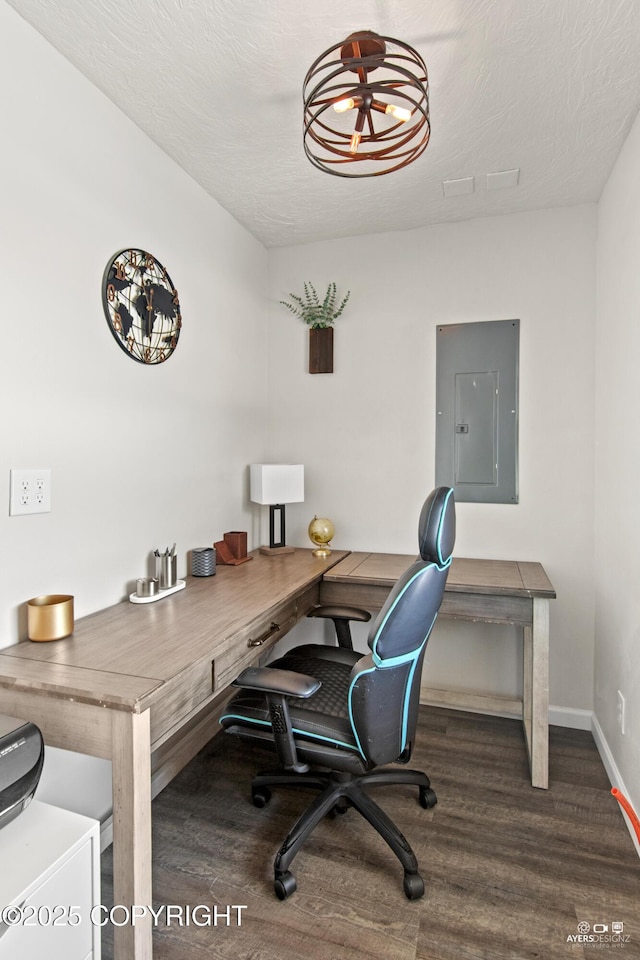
[(319, 651), (332, 698)]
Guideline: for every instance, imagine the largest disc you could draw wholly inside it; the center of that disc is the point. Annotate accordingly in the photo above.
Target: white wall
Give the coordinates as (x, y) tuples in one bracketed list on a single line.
[(617, 509), (140, 456), (366, 433)]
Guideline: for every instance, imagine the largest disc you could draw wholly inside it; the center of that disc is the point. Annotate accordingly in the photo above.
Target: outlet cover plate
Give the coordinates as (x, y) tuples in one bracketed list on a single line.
[(30, 491)]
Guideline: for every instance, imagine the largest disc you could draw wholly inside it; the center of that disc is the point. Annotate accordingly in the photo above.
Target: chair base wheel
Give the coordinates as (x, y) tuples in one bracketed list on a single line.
[(284, 885), (413, 886), (427, 798), (260, 796)]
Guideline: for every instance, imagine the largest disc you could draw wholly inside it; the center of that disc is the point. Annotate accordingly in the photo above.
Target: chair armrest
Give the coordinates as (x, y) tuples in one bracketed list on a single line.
[(284, 682), (333, 612), (341, 617)]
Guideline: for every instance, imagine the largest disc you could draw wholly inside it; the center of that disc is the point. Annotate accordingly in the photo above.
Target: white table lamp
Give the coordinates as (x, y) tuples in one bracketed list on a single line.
[(277, 484)]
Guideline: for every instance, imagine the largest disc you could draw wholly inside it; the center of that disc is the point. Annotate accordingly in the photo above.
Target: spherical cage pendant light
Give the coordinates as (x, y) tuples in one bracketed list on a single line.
[(366, 107)]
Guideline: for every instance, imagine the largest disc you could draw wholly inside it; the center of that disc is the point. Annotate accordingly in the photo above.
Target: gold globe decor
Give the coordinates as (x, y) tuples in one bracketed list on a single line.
[(321, 533)]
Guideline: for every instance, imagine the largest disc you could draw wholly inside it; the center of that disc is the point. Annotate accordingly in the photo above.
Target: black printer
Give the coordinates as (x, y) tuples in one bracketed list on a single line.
[(21, 760)]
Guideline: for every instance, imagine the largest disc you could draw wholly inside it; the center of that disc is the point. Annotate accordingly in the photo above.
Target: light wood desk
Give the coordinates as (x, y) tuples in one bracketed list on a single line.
[(492, 591), (143, 686)]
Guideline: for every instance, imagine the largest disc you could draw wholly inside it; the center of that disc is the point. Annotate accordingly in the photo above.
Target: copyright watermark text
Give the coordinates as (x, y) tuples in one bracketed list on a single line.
[(121, 915)]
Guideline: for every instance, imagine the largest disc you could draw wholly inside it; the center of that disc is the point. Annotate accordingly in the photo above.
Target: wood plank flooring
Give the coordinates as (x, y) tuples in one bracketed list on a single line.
[(509, 870)]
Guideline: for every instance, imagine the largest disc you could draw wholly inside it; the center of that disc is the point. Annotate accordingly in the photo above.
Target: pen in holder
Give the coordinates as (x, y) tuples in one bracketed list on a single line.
[(166, 570), (165, 581)]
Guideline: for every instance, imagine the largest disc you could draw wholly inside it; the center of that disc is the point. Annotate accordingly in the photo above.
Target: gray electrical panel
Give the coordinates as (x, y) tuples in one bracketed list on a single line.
[(477, 410)]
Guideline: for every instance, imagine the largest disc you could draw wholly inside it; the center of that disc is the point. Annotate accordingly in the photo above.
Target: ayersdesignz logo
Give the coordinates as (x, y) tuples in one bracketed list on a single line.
[(609, 934)]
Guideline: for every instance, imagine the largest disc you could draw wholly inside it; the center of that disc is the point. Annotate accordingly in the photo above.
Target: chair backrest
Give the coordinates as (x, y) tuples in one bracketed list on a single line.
[(385, 687)]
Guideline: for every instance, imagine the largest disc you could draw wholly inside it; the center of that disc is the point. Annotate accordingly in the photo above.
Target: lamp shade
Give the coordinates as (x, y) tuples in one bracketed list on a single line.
[(277, 483)]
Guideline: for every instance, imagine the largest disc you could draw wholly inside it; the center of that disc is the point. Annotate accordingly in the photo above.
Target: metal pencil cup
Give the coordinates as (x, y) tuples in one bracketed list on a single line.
[(166, 570), (203, 562)]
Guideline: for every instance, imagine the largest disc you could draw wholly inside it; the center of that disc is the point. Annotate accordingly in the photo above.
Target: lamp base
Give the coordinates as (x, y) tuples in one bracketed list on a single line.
[(276, 551)]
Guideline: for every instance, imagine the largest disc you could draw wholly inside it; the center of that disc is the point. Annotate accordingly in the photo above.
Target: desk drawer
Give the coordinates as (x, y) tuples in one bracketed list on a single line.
[(247, 645)]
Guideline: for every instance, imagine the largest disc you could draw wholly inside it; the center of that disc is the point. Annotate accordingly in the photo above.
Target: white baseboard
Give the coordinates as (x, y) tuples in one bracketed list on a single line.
[(570, 717), (558, 716), (613, 773)]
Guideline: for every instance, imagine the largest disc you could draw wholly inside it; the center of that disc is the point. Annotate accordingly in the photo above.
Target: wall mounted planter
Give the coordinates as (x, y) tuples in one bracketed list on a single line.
[(321, 350)]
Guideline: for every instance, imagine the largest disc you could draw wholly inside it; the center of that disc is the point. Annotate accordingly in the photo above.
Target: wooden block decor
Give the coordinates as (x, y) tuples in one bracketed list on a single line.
[(236, 540), (223, 554), (233, 548)]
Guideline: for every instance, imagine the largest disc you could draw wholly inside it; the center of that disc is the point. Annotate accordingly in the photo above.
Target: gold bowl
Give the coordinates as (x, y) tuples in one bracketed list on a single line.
[(50, 617)]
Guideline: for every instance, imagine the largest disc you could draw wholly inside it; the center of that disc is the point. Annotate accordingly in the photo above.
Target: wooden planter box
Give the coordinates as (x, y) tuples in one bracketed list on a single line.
[(321, 350)]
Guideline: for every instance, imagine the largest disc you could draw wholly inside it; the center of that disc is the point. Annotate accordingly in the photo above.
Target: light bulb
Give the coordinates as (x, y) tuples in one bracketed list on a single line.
[(355, 142), (341, 106), (398, 113)]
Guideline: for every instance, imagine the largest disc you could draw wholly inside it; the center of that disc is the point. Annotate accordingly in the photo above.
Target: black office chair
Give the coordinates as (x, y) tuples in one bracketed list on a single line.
[(349, 713)]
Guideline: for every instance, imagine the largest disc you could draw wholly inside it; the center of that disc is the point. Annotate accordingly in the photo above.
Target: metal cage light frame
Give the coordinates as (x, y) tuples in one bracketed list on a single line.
[(341, 100)]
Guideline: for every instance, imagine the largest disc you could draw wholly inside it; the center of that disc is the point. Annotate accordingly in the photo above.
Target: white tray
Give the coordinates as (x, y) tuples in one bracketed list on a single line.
[(180, 585)]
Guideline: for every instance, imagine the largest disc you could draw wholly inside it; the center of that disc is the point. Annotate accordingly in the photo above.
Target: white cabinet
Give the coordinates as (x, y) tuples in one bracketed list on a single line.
[(49, 882)]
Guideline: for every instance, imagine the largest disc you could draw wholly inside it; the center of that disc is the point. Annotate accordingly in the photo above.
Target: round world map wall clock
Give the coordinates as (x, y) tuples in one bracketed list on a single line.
[(141, 305)]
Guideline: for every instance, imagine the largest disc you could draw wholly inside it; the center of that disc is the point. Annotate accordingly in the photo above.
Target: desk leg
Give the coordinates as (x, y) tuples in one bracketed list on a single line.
[(131, 754), (536, 692)]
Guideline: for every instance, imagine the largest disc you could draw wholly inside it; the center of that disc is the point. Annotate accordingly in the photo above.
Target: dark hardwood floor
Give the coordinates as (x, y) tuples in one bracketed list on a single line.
[(509, 870)]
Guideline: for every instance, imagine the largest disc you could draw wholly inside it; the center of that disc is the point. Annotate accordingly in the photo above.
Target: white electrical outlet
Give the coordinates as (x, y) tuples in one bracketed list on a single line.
[(30, 492), (621, 711)]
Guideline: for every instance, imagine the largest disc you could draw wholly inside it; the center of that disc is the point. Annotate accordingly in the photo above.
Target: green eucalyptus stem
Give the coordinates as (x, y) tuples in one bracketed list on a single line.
[(311, 310)]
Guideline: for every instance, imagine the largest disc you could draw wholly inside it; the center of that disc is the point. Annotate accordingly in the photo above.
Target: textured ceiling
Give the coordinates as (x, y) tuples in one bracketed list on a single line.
[(550, 87)]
